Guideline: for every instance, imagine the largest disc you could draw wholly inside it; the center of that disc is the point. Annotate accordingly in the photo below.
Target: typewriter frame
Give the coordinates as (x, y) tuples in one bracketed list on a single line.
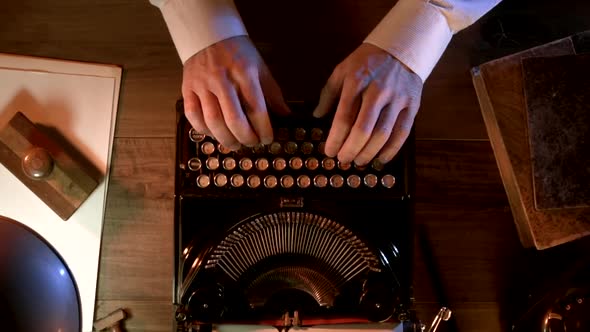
[(188, 199)]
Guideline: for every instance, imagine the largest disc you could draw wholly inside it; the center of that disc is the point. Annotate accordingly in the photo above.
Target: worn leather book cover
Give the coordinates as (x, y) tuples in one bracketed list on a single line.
[(557, 95), (500, 91)]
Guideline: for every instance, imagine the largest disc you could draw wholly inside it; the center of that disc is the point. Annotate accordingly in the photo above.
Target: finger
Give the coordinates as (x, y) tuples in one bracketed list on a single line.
[(273, 94), (381, 133), (215, 122), (255, 108), (194, 112), (373, 101), (234, 114), (401, 131), (328, 96), (345, 116)]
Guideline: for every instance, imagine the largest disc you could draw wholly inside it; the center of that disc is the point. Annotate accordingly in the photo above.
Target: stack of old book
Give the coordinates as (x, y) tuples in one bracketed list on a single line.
[(536, 108)]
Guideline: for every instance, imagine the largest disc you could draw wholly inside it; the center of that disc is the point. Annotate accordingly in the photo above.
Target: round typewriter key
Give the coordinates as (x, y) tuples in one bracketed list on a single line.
[(320, 181), (212, 163), (203, 181), (322, 148), (317, 134), (270, 181), (275, 148), (220, 180), (229, 163), (259, 148), (291, 147), (223, 149), (388, 181), (295, 163), (300, 134), (279, 164), (312, 163), (208, 148), (303, 181), (195, 136), (283, 134), (194, 164), (336, 180), (262, 164), (377, 165), (287, 181), (370, 180), (344, 166), (353, 181), (245, 164), (328, 164), (253, 181), (307, 147), (236, 180)]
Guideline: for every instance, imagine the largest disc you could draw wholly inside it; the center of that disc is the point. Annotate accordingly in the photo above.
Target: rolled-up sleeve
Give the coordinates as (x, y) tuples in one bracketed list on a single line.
[(197, 24), (417, 32)]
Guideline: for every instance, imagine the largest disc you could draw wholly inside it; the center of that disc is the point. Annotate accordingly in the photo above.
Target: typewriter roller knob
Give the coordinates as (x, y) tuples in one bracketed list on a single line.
[(206, 304), (378, 299)]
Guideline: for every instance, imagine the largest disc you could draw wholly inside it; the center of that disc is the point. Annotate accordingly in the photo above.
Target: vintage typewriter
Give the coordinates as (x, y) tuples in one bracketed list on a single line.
[(282, 235)]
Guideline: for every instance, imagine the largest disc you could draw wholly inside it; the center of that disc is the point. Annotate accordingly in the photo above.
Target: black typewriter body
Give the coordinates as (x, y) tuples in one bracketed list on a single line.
[(281, 235)]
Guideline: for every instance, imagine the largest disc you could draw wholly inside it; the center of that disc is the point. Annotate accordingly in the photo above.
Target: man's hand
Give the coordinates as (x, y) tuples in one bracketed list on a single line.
[(378, 98), (224, 89)]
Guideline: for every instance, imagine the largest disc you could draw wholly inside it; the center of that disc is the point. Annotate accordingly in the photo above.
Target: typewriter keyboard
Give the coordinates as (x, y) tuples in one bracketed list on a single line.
[(295, 160)]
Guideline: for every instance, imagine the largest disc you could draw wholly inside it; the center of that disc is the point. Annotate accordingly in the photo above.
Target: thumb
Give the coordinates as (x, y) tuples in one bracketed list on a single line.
[(328, 97), (273, 94)]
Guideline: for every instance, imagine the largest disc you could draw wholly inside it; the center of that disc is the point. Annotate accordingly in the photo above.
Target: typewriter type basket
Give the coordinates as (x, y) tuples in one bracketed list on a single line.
[(280, 261)]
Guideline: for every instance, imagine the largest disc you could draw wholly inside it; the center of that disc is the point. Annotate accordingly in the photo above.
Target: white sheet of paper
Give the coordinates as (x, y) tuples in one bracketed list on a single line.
[(78, 100)]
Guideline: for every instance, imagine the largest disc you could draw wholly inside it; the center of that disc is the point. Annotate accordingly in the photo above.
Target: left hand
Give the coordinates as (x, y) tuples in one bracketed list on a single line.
[(378, 98)]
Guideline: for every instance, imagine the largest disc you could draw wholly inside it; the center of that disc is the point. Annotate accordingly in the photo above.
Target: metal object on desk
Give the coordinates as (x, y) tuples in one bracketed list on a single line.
[(444, 314), (569, 314)]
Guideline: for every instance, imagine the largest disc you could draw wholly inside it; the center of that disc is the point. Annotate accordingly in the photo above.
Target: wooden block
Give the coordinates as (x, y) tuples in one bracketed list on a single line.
[(499, 88), (111, 321), (60, 177), (557, 93)]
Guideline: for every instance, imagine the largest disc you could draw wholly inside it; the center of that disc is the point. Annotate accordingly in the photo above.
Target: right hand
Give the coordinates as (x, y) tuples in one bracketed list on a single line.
[(226, 88)]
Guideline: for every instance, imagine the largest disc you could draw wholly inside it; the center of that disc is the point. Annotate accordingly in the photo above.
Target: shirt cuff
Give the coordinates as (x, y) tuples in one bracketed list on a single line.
[(196, 24), (415, 32)]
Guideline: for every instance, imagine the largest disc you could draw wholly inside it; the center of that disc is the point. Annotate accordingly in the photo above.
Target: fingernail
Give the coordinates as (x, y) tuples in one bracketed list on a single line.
[(344, 160), (266, 140), (360, 163)]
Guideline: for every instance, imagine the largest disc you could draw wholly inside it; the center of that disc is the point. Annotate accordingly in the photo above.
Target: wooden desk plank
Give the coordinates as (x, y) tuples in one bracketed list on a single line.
[(136, 254)]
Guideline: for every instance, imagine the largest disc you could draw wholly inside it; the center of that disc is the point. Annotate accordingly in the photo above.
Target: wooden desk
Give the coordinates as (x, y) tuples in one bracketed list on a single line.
[(460, 199)]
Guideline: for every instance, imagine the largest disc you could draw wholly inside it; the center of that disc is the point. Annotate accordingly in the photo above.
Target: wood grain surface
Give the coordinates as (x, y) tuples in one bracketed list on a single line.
[(460, 199)]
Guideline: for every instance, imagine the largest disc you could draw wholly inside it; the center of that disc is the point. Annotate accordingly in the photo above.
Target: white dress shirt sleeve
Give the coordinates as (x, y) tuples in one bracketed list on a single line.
[(417, 32), (197, 24)]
